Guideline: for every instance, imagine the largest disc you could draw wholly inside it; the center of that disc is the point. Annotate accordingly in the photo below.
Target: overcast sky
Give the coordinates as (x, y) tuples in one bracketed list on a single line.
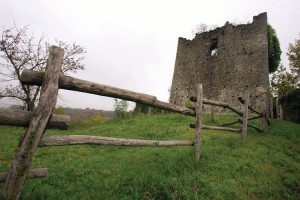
[(132, 44)]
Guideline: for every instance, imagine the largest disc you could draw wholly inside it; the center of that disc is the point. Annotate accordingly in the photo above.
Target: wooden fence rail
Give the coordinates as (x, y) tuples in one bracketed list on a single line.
[(97, 140), (74, 84), (32, 173), (22, 118)]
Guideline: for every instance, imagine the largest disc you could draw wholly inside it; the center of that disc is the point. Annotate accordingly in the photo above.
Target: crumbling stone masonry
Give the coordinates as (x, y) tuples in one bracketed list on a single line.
[(227, 61)]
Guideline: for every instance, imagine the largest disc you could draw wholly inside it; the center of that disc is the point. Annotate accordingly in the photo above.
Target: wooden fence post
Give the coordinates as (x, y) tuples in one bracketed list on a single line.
[(271, 108), (245, 116), (20, 166), (198, 124), (212, 114), (277, 109), (280, 112), (264, 114)]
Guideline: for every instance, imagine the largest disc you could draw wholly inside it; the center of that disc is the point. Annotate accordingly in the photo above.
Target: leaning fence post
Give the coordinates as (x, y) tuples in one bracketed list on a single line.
[(198, 124), (20, 166), (264, 114), (245, 116)]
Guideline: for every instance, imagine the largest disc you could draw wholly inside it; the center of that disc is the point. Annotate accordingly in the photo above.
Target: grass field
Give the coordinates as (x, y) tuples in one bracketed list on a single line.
[(266, 166)]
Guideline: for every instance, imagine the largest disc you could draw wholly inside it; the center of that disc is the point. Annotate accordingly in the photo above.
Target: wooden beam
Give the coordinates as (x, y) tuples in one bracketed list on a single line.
[(221, 128), (217, 128), (264, 114), (198, 123), (212, 113), (277, 108), (249, 107), (245, 115), (280, 112), (32, 173), (240, 121), (97, 140), (74, 84), (253, 110), (224, 105), (22, 118), (48, 97), (255, 127), (271, 108)]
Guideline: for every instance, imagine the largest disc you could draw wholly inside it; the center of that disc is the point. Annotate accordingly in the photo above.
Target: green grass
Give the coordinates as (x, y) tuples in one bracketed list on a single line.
[(266, 166)]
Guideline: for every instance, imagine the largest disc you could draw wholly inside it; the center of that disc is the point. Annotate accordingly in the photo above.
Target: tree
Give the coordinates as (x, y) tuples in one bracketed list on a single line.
[(282, 82), (274, 50), (120, 108), (201, 28), (18, 51), (294, 58)]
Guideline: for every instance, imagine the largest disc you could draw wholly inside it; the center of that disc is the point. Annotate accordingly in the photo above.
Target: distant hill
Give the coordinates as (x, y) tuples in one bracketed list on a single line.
[(87, 113), (76, 113)]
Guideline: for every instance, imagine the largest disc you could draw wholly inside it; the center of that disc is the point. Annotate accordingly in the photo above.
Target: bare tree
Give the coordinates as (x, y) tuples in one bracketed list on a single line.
[(200, 28), (18, 51)]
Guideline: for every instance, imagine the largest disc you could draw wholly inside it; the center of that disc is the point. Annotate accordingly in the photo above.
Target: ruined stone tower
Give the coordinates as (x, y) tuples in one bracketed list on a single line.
[(227, 61)]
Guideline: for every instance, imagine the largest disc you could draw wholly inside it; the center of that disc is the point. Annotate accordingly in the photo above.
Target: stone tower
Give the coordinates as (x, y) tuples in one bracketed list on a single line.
[(227, 61)]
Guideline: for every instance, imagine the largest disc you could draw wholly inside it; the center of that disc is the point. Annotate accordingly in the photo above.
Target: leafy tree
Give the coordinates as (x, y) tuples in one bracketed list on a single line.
[(19, 51), (274, 50), (282, 82), (120, 108), (294, 58)]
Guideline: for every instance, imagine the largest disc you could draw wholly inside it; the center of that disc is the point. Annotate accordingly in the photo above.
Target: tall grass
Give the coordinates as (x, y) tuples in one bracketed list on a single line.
[(266, 166)]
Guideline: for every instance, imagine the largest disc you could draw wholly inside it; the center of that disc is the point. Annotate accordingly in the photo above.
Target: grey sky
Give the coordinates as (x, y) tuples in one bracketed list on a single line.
[(132, 44)]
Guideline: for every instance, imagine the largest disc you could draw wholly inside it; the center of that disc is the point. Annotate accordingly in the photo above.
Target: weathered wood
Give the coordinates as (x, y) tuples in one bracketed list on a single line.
[(245, 116), (264, 115), (271, 108), (240, 121), (212, 113), (277, 109), (48, 97), (70, 83), (280, 112), (22, 118), (224, 105), (255, 127), (198, 123), (217, 128), (97, 140), (249, 107), (32, 173)]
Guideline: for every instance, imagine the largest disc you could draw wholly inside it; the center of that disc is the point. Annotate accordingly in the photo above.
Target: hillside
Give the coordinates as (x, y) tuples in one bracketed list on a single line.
[(265, 166)]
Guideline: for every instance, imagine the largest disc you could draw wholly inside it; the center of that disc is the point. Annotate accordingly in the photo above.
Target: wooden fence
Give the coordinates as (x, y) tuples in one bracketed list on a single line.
[(51, 80)]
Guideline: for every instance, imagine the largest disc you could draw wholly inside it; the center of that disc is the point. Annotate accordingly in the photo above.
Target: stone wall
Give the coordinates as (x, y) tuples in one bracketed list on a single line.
[(227, 61)]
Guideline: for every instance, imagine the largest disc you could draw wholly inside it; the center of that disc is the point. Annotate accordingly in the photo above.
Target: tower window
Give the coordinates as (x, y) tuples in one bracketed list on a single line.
[(214, 47)]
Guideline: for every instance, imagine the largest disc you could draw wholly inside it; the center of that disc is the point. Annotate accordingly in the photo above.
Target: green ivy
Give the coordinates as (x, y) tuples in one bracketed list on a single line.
[(274, 50)]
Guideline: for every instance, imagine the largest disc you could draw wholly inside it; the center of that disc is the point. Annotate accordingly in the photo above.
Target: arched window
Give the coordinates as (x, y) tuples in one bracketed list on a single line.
[(214, 47)]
